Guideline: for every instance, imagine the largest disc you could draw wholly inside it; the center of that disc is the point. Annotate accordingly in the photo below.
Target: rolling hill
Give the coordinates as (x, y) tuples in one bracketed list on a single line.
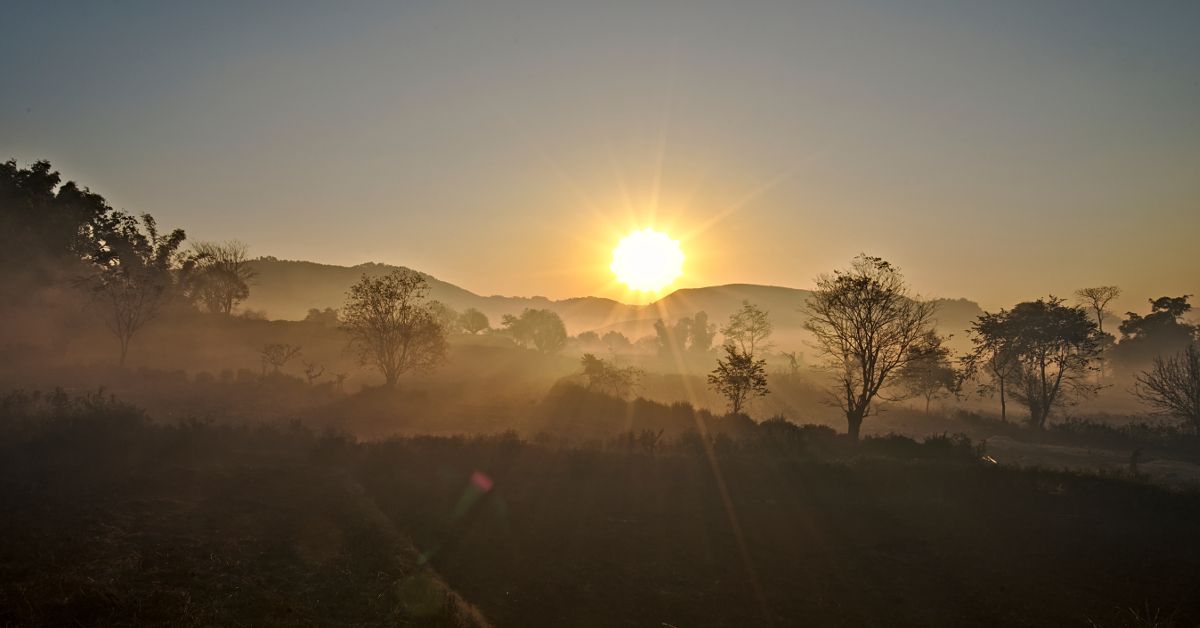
[(288, 289)]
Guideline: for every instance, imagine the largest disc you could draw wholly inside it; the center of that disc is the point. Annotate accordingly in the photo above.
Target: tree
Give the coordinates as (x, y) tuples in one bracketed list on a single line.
[(1097, 299), (994, 353), (702, 333), (1054, 346), (604, 376), (748, 328), (1172, 385), (615, 341), (928, 372), (672, 339), (392, 326), (1161, 332), (327, 317), (588, 338), (277, 355), (865, 324), (473, 321), (739, 377), (134, 275), (446, 316), (223, 275), (312, 372), (543, 329)]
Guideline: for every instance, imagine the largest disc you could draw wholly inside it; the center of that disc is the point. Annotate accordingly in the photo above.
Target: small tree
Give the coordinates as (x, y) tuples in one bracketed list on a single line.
[(1172, 385), (605, 376), (865, 323), (313, 372), (391, 325), (739, 377), (223, 275), (277, 355), (1097, 300), (473, 321), (929, 373), (445, 316), (543, 329), (748, 328)]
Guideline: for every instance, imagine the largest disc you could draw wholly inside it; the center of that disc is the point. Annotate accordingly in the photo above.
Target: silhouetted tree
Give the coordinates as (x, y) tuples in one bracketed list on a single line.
[(1172, 385), (865, 324), (928, 373), (1097, 300), (703, 333), (473, 321), (748, 328), (1161, 332), (446, 316), (327, 317), (135, 274), (672, 339), (994, 353), (588, 338), (604, 376), (543, 329), (739, 377), (615, 341), (223, 274), (313, 372), (392, 326), (1055, 346), (277, 355)]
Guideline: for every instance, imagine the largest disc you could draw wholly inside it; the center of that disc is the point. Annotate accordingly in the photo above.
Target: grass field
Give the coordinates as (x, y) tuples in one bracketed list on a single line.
[(113, 520)]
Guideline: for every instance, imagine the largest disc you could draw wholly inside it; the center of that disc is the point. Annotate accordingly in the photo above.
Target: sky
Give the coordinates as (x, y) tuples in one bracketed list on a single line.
[(997, 151)]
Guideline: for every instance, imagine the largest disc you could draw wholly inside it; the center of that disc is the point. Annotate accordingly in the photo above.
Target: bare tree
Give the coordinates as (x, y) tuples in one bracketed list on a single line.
[(748, 328), (278, 355), (223, 275), (1172, 385), (313, 372), (865, 323), (1097, 300), (392, 326), (739, 377)]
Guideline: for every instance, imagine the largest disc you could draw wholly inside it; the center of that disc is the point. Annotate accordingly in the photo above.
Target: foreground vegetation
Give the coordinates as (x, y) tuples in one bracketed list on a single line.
[(115, 519)]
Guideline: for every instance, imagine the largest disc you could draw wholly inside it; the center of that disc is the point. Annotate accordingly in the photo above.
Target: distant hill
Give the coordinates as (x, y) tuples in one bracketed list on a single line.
[(288, 289)]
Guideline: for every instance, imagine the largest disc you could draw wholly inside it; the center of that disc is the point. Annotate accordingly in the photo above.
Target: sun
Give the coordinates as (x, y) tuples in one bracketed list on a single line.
[(647, 260)]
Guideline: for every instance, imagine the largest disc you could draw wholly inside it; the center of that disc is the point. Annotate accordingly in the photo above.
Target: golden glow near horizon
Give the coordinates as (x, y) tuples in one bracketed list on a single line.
[(647, 260)]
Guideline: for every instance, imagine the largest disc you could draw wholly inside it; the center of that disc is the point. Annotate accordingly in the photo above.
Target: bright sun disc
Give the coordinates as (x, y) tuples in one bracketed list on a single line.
[(647, 260)]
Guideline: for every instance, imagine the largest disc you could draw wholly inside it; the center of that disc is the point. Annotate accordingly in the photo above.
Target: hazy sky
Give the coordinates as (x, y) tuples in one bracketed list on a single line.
[(994, 150)]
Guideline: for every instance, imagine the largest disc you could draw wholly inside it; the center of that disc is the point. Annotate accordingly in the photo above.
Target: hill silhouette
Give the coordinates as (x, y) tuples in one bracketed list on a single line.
[(287, 289)]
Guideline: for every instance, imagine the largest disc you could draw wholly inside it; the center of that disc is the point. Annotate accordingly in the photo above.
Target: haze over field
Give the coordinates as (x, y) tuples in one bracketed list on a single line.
[(660, 313)]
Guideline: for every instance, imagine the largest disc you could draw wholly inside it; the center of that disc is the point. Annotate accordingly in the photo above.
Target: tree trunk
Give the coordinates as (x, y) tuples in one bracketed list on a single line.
[(1003, 404), (124, 350), (854, 424)]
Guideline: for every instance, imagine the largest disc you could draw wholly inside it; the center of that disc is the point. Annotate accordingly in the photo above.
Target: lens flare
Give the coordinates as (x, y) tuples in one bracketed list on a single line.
[(647, 260)]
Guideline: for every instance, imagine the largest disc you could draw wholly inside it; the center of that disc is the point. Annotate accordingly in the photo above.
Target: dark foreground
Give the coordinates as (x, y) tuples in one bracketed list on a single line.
[(111, 520)]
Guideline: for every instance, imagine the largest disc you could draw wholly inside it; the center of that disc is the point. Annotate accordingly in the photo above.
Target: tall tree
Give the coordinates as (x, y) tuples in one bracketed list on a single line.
[(1056, 346), (865, 323), (391, 324), (748, 328), (929, 373), (223, 275), (1172, 385), (994, 354), (1097, 300), (739, 377), (1161, 332), (605, 376)]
